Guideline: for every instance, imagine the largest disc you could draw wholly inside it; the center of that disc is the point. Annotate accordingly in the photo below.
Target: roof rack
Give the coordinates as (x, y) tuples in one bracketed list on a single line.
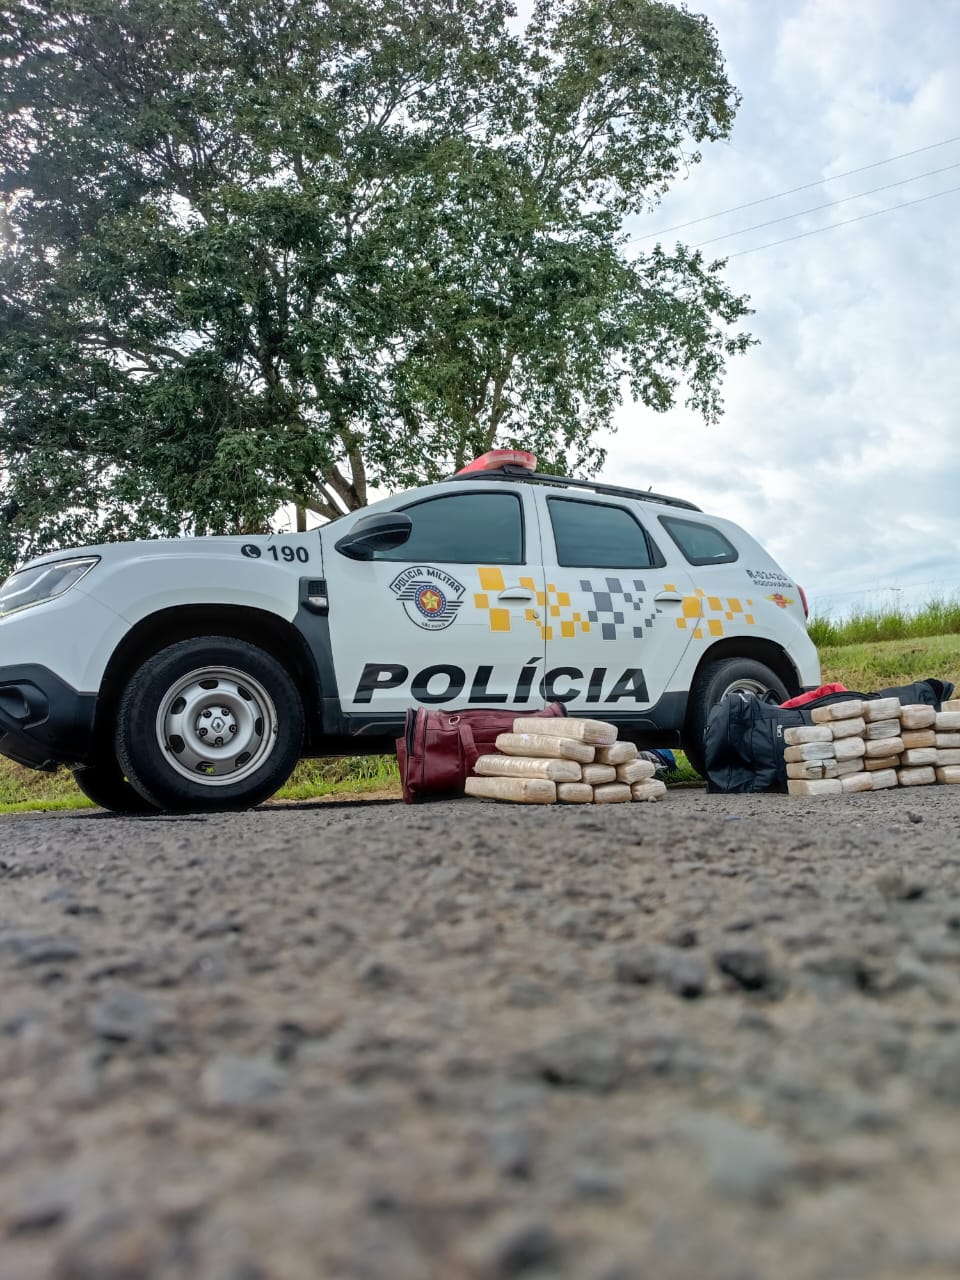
[(567, 482)]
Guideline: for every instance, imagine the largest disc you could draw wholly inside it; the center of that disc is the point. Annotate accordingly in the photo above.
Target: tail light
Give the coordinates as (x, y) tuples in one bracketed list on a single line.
[(803, 601)]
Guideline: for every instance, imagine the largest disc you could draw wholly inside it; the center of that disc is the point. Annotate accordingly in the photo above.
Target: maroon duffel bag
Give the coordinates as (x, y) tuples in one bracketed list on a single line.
[(439, 748)]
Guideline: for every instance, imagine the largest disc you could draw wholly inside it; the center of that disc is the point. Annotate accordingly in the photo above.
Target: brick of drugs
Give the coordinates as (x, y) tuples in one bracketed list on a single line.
[(884, 747), (652, 790), (881, 762), (952, 705), (917, 716), (921, 777), (881, 709), (612, 793), (810, 751), (846, 767), (528, 767), (883, 729), (919, 738), (847, 710), (947, 722), (542, 744), (918, 755), (947, 739), (598, 774), (815, 787), (947, 757), (884, 778), (635, 771), (848, 728), (575, 793), (849, 748), (617, 753), (857, 782), (800, 733), (595, 732), (812, 769), (948, 773), (519, 790)]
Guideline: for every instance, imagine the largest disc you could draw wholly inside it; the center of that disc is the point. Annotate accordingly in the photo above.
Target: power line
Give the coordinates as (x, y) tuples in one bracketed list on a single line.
[(830, 204), (845, 222), (793, 190)]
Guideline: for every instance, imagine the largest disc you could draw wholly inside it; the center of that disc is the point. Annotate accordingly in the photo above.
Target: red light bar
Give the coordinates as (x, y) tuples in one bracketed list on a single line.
[(498, 458)]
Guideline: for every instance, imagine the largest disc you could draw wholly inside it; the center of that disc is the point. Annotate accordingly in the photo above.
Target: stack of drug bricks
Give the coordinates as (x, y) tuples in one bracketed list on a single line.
[(872, 744), (569, 760)]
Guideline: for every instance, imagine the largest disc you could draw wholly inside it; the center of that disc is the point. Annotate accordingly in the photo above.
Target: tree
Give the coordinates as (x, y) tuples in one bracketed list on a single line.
[(269, 251)]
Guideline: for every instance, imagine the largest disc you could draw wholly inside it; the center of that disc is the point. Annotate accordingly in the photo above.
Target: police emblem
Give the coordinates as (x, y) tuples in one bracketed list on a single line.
[(780, 600), (430, 597)]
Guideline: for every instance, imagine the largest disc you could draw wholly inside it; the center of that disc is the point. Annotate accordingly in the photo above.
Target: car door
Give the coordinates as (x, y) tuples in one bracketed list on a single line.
[(616, 606), (448, 618)]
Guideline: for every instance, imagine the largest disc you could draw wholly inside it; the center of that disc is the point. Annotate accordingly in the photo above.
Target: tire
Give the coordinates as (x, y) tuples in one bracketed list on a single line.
[(209, 723), (713, 681), (106, 786)]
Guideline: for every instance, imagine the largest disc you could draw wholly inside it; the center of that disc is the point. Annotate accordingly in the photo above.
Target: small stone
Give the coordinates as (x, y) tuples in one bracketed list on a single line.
[(681, 935), (41, 949), (513, 1151), (899, 886), (233, 1081), (742, 1163), (588, 1060), (122, 1245), (749, 967), (685, 974), (637, 965), (44, 1205), (125, 1015), (513, 1249), (597, 1182), (378, 975)]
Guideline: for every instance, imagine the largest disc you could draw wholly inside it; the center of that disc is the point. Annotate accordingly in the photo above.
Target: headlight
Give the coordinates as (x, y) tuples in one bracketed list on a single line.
[(43, 582)]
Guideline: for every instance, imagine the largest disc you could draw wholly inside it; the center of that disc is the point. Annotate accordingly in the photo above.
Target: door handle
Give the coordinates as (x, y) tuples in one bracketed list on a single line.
[(668, 597), (516, 594)]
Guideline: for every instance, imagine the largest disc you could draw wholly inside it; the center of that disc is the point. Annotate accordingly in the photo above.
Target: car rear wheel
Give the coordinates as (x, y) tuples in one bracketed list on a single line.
[(714, 681), (209, 723), (106, 786)]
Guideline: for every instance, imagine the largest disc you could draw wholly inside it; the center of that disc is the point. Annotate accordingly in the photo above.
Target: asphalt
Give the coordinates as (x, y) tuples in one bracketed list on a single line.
[(714, 1038)]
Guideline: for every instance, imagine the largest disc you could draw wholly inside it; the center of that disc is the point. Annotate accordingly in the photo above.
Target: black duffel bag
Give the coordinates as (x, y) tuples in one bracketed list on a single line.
[(743, 744)]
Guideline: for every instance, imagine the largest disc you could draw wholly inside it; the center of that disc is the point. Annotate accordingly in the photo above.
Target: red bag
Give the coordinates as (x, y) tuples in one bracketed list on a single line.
[(439, 748)]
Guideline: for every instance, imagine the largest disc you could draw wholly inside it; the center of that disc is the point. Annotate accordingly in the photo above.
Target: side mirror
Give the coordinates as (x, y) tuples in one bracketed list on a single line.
[(378, 532)]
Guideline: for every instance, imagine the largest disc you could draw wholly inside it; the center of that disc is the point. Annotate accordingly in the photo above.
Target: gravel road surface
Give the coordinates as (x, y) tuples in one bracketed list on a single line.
[(713, 1038)]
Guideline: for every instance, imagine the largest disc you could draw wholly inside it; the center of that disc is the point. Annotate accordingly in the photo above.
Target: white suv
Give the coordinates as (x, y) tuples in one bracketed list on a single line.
[(194, 673)]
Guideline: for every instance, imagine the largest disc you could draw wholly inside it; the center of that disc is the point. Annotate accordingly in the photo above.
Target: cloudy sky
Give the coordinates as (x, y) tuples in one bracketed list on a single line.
[(838, 448)]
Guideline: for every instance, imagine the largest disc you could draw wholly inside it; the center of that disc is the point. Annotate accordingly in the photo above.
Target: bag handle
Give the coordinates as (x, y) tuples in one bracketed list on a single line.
[(470, 752)]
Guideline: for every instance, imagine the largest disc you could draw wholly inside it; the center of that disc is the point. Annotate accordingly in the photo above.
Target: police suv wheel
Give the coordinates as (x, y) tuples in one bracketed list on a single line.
[(210, 723), (714, 682), (106, 786)]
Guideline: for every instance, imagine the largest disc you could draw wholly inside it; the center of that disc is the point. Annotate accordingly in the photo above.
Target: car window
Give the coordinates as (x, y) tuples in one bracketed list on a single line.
[(595, 535), (700, 543), (463, 528)]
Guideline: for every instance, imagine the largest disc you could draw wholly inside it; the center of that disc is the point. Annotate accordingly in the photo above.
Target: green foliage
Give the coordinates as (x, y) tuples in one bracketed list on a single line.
[(869, 626), (255, 253)]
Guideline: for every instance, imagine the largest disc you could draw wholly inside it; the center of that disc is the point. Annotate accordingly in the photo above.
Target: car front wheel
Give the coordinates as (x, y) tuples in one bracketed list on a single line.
[(209, 723), (714, 682)]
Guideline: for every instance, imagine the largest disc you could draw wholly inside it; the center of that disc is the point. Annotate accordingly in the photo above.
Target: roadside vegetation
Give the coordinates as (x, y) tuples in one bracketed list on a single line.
[(867, 651)]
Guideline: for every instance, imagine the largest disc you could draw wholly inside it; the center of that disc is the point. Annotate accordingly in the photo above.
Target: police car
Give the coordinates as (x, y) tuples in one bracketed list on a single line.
[(193, 673)]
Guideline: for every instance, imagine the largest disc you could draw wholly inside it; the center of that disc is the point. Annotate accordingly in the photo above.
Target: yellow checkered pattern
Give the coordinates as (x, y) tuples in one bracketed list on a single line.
[(696, 611)]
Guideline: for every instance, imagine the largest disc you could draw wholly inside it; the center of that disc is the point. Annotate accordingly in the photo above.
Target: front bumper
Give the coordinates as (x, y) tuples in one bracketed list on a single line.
[(43, 721)]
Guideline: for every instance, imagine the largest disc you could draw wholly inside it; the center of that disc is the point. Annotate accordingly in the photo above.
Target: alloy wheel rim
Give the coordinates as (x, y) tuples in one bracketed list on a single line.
[(216, 726)]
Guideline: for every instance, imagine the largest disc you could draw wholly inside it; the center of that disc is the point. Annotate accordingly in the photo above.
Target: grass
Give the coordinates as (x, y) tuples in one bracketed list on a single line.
[(868, 651), (869, 626)]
